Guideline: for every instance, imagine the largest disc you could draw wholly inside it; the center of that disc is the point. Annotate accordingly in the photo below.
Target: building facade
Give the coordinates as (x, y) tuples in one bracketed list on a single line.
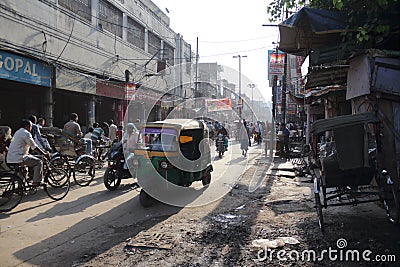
[(63, 56)]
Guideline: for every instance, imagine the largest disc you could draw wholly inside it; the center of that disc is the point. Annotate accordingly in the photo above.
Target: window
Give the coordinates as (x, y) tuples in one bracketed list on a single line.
[(158, 139), (82, 8), (154, 44), (110, 18), (169, 53), (135, 33)]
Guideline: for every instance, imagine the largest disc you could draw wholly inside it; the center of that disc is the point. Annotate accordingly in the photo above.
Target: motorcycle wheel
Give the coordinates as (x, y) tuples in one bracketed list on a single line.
[(112, 179)]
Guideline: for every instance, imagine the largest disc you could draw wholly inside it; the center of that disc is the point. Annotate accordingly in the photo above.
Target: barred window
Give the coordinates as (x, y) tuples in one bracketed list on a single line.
[(110, 18), (169, 54), (154, 44), (135, 33), (82, 8)]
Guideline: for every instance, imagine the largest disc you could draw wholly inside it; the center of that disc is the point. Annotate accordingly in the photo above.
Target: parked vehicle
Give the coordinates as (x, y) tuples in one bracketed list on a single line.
[(117, 169), (349, 161), (173, 151)]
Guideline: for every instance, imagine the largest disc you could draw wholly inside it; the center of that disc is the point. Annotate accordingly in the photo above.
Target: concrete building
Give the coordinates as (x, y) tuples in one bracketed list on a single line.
[(63, 56)]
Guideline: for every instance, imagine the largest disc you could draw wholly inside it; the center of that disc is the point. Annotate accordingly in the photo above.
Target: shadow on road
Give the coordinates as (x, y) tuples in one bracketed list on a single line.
[(94, 235)]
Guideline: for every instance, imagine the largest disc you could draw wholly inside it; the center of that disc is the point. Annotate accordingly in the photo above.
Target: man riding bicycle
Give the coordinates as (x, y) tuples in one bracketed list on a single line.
[(18, 152)]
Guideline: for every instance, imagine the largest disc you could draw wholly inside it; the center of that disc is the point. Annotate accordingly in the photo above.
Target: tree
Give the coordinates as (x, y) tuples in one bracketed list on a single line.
[(370, 21)]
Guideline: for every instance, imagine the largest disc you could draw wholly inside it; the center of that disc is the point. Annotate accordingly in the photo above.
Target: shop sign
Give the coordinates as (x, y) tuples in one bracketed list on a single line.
[(22, 69), (130, 89), (219, 104), (110, 89), (148, 96), (75, 81)]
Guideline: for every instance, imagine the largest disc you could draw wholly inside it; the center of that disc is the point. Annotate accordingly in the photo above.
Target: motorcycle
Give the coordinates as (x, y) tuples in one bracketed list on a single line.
[(116, 169), (221, 144)]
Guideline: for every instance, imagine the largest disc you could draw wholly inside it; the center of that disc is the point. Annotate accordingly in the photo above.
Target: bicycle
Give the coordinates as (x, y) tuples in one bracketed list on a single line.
[(100, 151), (82, 169), (15, 183)]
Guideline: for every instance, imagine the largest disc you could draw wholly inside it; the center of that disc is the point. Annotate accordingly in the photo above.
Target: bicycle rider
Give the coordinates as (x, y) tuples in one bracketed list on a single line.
[(18, 152)]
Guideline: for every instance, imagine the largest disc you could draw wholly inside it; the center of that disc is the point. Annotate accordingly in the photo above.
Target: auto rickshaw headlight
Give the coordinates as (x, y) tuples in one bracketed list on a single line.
[(135, 163), (164, 164)]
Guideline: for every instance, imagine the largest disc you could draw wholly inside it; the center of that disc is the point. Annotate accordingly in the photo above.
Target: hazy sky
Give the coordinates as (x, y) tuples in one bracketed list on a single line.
[(226, 28)]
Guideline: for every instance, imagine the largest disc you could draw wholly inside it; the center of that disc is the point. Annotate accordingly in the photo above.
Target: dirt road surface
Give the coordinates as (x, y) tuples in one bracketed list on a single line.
[(100, 228)]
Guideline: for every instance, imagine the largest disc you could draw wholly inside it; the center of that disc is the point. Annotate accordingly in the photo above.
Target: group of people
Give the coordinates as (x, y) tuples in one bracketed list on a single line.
[(28, 143)]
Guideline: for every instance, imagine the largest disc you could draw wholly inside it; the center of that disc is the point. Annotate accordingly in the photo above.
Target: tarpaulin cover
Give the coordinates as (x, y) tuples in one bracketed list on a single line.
[(311, 28)]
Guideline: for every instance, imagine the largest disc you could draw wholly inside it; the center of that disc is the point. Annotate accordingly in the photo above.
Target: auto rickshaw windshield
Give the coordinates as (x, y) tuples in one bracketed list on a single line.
[(158, 139)]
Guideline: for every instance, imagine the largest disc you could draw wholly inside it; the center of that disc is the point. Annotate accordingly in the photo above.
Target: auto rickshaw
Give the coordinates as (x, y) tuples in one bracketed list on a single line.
[(171, 155)]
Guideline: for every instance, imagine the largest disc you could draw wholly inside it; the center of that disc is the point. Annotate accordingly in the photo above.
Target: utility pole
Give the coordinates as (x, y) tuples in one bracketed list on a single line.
[(240, 102), (252, 86), (284, 88)]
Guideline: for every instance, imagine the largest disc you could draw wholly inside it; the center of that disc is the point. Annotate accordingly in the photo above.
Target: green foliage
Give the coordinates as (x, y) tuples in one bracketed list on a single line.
[(368, 20)]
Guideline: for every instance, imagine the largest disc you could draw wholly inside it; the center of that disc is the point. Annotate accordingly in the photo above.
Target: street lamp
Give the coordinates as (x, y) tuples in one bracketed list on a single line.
[(240, 85)]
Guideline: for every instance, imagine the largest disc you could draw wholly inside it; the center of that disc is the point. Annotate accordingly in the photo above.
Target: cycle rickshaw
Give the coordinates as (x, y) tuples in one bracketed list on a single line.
[(351, 167), (71, 155)]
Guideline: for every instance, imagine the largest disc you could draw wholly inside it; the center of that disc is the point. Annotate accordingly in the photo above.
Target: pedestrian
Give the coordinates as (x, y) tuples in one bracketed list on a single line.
[(72, 128), (112, 131), (244, 140), (119, 133), (129, 139), (247, 129), (285, 133)]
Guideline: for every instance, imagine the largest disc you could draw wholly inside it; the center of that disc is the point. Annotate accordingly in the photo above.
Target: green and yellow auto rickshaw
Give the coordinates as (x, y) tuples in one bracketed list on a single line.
[(169, 156)]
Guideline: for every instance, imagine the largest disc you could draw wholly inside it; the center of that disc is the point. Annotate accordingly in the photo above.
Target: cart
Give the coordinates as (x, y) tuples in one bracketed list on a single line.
[(71, 155), (347, 150)]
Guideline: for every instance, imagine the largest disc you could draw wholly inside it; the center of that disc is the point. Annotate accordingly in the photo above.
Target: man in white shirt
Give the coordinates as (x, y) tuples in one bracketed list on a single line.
[(18, 152), (112, 131)]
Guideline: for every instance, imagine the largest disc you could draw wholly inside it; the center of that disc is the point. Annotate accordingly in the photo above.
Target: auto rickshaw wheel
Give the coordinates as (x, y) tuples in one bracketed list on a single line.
[(145, 199), (206, 179)]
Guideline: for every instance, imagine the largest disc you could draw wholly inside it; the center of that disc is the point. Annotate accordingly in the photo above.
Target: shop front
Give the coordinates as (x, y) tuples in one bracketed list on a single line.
[(110, 97), (75, 93), (24, 89)]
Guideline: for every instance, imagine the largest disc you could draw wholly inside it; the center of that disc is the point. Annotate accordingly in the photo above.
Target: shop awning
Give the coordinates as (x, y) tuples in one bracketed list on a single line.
[(326, 76), (311, 28), (317, 93)]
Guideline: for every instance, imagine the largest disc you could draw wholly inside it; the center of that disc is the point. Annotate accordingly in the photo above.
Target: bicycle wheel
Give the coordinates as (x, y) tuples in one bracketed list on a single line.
[(57, 183), (391, 204), (84, 171), (11, 191)]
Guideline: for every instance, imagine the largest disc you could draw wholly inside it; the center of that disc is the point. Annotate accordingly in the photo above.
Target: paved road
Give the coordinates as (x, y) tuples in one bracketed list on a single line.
[(43, 232)]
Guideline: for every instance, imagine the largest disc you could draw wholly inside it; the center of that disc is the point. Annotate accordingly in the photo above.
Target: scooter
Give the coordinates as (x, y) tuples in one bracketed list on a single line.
[(116, 169)]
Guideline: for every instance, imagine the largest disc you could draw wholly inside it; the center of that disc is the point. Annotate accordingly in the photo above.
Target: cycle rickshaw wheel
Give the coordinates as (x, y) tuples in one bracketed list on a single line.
[(84, 171), (57, 184), (11, 191), (318, 205), (391, 204)]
